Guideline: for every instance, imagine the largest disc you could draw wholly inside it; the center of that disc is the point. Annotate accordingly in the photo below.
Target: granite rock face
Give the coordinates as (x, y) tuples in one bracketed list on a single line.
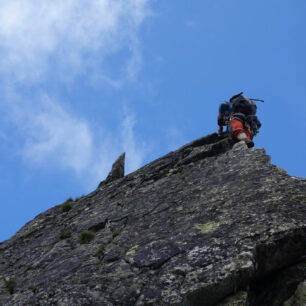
[(117, 170), (213, 223)]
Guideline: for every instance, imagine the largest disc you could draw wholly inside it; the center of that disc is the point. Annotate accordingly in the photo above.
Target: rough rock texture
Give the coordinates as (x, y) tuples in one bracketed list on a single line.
[(299, 297), (208, 224), (117, 170)]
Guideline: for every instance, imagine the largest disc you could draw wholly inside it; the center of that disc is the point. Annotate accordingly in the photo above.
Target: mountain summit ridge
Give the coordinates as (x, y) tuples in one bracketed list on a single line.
[(210, 223)]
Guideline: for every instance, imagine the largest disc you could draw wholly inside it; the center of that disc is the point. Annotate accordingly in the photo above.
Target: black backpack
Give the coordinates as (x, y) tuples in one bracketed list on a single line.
[(243, 105)]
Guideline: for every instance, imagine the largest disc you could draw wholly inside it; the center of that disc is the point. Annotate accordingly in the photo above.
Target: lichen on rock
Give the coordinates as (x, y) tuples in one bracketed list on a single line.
[(208, 224)]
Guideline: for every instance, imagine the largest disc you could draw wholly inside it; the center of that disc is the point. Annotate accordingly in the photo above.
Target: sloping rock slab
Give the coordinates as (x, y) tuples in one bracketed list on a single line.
[(195, 227)]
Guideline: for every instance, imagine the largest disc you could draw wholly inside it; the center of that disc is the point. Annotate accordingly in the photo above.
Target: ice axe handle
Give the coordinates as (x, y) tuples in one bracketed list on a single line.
[(257, 100)]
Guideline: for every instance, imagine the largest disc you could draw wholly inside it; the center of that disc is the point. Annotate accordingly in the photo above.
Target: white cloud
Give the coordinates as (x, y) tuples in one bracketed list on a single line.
[(59, 40), (135, 150), (52, 135), (43, 38), (55, 137)]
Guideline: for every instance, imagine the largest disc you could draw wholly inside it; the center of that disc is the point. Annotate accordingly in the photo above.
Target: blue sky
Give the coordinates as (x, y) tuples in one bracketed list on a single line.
[(82, 82)]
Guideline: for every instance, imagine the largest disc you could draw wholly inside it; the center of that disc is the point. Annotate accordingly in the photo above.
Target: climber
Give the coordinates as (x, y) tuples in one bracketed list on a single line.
[(239, 116)]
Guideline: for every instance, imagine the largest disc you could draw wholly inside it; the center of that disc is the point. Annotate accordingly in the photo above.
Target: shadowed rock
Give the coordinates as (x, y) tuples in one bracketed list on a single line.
[(208, 224), (117, 170)]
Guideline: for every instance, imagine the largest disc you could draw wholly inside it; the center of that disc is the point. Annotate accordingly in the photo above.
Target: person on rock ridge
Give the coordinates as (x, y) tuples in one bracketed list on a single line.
[(239, 116)]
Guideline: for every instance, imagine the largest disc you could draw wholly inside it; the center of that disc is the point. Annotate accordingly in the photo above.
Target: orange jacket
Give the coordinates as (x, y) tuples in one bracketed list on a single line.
[(238, 127)]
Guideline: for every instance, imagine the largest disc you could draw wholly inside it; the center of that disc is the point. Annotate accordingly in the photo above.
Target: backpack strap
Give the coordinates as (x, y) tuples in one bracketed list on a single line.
[(239, 116)]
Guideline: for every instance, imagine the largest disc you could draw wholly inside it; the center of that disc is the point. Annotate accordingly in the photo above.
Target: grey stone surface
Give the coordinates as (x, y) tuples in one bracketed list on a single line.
[(204, 225), (117, 170), (299, 296), (237, 299)]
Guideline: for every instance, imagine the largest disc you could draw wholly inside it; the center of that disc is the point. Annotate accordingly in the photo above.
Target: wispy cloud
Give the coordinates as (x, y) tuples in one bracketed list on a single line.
[(55, 137), (45, 41), (135, 149), (42, 38)]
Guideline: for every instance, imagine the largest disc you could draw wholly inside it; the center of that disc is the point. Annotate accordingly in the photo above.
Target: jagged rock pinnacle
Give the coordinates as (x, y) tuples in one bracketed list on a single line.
[(117, 170), (208, 224)]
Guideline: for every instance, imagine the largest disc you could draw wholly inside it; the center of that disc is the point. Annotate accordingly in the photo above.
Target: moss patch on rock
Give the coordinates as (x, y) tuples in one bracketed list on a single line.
[(11, 284), (86, 236), (207, 227)]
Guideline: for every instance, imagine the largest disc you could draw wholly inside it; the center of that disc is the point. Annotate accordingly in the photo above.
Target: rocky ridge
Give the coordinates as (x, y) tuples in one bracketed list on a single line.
[(213, 223)]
